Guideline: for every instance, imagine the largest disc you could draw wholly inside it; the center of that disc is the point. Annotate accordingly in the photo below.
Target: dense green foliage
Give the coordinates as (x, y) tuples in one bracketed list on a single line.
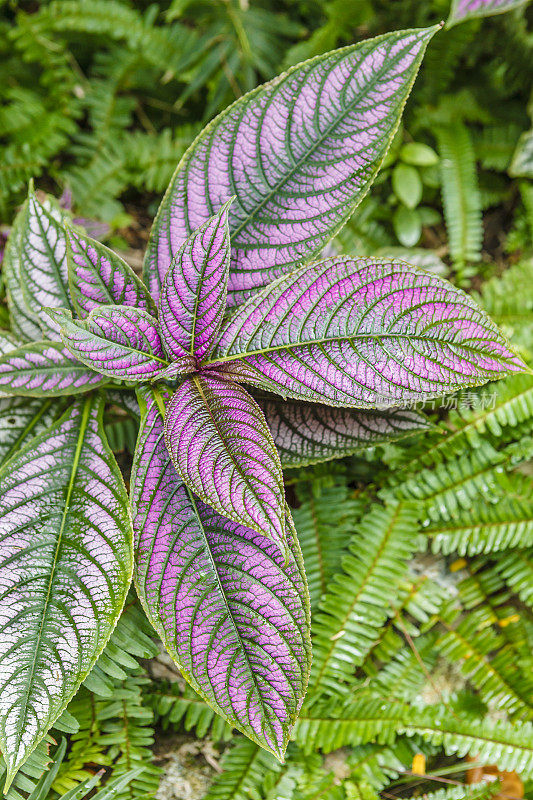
[(418, 554)]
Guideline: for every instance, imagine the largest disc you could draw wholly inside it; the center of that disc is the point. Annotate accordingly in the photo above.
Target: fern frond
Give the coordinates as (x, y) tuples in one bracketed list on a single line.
[(178, 707), (325, 521), (497, 409), (453, 485), (460, 193), (507, 303), (489, 664), (495, 145), (480, 791), (516, 569), (244, 766), (151, 158), (359, 600), (403, 677), (485, 528), (510, 746)]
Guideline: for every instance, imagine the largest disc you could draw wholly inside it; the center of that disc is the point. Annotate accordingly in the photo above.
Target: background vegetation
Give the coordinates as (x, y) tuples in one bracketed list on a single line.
[(419, 553)]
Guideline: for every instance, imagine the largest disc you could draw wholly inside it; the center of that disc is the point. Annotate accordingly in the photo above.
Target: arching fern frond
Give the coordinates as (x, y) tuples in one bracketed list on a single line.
[(325, 520), (507, 303), (485, 528), (509, 745), (516, 569), (244, 766), (480, 791), (182, 707), (460, 193), (361, 597), (489, 664)]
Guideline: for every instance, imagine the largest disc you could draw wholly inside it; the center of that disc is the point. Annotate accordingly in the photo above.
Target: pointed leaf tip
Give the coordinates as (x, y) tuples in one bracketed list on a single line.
[(231, 613), (221, 447), (193, 297), (119, 341), (401, 335), (98, 276), (290, 133)]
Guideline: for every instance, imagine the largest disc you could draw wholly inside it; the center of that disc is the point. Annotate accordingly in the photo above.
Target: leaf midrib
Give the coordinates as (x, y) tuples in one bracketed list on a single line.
[(222, 592), (83, 328), (74, 470), (336, 340), (238, 467), (388, 66)]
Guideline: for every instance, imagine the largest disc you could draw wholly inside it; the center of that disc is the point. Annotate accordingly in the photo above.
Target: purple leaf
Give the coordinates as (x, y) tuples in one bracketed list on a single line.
[(221, 447), (466, 9), (362, 333), (307, 433), (45, 369), (43, 269), (193, 297), (119, 341), (299, 153), (231, 612), (65, 568), (99, 277)]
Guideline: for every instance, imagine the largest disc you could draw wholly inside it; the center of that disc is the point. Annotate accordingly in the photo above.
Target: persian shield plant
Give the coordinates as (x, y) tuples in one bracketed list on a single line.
[(248, 354)]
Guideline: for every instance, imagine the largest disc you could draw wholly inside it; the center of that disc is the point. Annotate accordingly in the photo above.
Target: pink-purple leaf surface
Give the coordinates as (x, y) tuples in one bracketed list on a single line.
[(466, 9), (298, 153), (230, 609), (193, 298), (45, 369), (119, 341), (99, 277), (308, 433), (362, 333), (222, 449)]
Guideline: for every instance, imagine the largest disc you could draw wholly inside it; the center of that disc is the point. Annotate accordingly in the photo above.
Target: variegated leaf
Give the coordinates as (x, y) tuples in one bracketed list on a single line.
[(24, 322), (20, 419), (119, 341), (522, 163), (231, 612), (45, 369), (65, 568), (307, 433), (43, 271), (99, 277), (363, 333), (193, 297), (299, 153), (8, 342), (222, 449), (466, 9)]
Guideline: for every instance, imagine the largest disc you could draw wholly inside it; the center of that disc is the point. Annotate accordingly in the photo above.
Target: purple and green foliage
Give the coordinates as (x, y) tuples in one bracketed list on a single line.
[(65, 569), (466, 9), (298, 154), (45, 369), (308, 433), (231, 609), (344, 342), (360, 332), (98, 277), (119, 341)]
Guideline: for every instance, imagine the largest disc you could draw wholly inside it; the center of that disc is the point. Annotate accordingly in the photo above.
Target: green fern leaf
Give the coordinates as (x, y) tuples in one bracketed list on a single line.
[(359, 600), (460, 193)]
